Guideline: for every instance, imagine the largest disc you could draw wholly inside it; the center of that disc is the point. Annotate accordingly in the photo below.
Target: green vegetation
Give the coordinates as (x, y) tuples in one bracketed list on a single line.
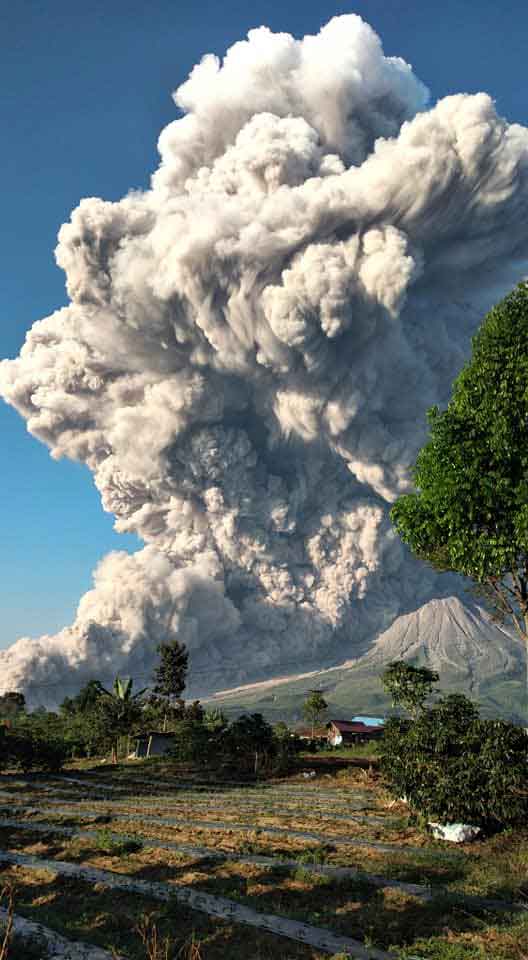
[(115, 846), (470, 511), (449, 763), (99, 720), (170, 675), (356, 751), (409, 686), (469, 515), (32, 745), (355, 906), (119, 709), (12, 705), (314, 708)]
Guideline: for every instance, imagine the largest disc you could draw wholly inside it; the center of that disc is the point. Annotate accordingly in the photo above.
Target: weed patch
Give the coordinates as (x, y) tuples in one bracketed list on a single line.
[(117, 847)]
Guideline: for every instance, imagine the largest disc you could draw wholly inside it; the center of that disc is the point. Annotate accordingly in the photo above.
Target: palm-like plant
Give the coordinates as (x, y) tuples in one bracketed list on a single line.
[(121, 708)]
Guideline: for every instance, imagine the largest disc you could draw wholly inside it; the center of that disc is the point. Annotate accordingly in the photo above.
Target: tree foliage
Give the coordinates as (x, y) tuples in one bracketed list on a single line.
[(314, 708), (36, 743), (249, 740), (215, 720), (85, 701), (455, 767), (169, 677), (409, 686), (118, 709), (12, 705), (470, 511), (193, 742)]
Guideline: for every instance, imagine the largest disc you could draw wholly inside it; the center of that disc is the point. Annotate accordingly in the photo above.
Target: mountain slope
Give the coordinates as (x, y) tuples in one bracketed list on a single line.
[(471, 653), (459, 642)]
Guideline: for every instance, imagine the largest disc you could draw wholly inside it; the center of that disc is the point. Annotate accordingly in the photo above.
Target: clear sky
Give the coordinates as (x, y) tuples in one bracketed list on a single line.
[(85, 90)]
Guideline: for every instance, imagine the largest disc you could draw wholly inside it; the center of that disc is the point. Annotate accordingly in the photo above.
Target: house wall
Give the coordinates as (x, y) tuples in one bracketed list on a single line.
[(159, 746), (335, 738), (141, 748)]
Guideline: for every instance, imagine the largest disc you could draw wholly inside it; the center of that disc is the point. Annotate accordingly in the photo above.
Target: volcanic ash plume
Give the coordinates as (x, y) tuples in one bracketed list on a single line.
[(250, 349)]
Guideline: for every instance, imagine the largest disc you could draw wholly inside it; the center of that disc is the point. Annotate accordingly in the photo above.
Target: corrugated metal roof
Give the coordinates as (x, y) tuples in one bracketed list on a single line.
[(345, 726), (370, 721)]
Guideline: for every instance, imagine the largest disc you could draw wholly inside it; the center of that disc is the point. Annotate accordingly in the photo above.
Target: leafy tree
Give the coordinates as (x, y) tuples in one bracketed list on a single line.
[(85, 729), (409, 686), (453, 766), (36, 742), (199, 735), (193, 742), (314, 708), (286, 747), (12, 705), (119, 709), (87, 734), (249, 738), (85, 701), (470, 512), (170, 675), (194, 712), (281, 731), (158, 713)]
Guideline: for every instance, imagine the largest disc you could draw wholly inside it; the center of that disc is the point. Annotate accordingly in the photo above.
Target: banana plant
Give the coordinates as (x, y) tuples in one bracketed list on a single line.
[(121, 708)]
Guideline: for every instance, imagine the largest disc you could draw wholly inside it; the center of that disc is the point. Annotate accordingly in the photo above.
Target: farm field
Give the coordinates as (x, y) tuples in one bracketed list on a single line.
[(290, 868)]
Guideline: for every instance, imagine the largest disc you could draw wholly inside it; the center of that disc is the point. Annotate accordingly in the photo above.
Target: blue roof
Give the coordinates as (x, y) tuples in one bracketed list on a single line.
[(371, 721)]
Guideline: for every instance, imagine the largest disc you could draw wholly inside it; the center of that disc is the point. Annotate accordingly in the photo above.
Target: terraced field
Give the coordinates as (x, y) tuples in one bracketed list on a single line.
[(111, 859)]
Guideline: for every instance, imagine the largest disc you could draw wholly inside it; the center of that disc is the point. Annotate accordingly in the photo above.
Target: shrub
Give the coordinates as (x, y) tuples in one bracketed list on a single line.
[(317, 855), (249, 742), (117, 846), (453, 766), (28, 750), (193, 743)]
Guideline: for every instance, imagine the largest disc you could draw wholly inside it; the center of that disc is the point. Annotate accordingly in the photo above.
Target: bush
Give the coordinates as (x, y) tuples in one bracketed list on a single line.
[(117, 846), (193, 743), (27, 750), (249, 742), (283, 751), (453, 766)]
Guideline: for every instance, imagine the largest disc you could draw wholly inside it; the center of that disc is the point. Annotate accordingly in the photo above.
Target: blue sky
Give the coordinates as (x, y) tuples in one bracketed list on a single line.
[(85, 91)]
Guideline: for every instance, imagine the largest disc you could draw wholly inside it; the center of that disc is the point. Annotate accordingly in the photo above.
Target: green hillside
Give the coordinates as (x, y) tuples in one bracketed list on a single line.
[(469, 651)]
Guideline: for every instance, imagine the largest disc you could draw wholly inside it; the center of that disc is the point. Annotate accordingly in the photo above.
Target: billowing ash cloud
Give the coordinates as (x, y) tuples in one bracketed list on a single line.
[(250, 349)]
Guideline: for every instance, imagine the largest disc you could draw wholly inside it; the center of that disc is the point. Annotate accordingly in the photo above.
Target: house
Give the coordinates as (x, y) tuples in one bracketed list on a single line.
[(344, 732), (305, 733), (153, 744)]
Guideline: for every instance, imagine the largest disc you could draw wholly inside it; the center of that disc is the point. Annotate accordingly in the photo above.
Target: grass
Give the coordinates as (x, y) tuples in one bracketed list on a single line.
[(12, 945), (442, 929), (362, 750), (116, 920), (106, 841)]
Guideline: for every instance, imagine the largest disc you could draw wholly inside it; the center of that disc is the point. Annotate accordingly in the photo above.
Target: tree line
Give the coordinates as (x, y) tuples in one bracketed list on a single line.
[(100, 721)]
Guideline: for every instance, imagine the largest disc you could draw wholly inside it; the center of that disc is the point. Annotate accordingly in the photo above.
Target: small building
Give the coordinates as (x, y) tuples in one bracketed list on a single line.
[(343, 732), (305, 733), (153, 744)]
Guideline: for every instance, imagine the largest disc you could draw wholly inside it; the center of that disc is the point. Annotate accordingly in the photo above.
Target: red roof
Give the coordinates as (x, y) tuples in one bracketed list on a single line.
[(345, 726)]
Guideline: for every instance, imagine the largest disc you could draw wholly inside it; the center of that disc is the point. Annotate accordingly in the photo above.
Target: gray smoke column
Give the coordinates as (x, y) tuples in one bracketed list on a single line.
[(250, 349)]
